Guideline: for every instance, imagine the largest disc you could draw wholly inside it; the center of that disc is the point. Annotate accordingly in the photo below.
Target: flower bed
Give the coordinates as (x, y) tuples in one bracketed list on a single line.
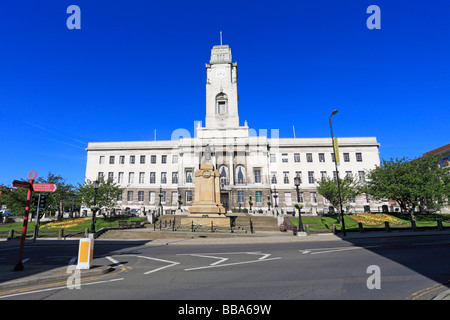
[(64, 224), (370, 219)]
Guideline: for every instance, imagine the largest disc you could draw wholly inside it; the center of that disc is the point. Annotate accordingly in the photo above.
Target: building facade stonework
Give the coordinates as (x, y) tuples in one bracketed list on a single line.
[(253, 168)]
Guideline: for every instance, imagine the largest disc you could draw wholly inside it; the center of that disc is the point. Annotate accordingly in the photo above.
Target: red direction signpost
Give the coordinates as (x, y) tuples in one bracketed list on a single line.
[(21, 184), (44, 187)]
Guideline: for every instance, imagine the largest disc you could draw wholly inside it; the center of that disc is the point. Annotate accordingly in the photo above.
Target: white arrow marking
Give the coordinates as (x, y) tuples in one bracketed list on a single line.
[(328, 250)]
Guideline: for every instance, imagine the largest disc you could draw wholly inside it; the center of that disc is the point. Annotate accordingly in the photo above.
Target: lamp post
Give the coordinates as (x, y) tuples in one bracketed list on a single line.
[(268, 201), (297, 184), (160, 200), (95, 185), (337, 175)]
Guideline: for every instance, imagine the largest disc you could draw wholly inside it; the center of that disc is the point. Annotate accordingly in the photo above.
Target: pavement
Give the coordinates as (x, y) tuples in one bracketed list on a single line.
[(39, 276)]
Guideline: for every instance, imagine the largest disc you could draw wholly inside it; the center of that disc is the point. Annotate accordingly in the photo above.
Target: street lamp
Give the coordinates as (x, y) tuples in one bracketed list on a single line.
[(297, 184), (95, 185), (337, 174)]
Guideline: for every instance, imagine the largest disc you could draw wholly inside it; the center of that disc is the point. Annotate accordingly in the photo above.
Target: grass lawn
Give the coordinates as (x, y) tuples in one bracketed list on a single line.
[(76, 224), (395, 220)]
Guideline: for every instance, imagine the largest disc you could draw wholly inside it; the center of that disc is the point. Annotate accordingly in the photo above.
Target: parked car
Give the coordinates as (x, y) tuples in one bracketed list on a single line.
[(5, 213)]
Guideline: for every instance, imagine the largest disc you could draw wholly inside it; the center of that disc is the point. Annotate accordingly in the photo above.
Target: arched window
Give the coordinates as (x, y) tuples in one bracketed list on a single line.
[(222, 104), (223, 171), (240, 174)]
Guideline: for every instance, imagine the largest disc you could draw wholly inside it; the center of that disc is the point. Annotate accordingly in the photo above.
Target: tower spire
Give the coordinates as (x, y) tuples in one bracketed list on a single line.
[(220, 37)]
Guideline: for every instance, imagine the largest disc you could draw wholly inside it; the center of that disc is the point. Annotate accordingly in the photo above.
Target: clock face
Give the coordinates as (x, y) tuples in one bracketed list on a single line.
[(221, 73)]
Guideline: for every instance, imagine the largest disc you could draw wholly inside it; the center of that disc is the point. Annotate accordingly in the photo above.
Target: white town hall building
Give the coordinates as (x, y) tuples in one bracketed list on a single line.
[(252, 168)]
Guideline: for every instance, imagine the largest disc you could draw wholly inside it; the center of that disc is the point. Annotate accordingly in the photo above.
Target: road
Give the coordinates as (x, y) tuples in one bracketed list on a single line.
[(407, 268)]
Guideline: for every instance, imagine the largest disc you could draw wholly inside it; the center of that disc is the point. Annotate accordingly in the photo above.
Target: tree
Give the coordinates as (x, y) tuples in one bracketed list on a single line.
[(16, 198), (417, 183), (107, 194), (349, 187)]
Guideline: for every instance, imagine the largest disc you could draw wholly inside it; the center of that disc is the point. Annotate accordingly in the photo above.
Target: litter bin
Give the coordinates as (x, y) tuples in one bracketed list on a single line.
[(295, 231)]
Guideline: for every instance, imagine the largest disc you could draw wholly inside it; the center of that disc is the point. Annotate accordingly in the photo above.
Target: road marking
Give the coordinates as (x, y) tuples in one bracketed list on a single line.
[(418, 294), (116, 263), (337, 249), (214, 263), (57, 288), (171, 263), (230, 264), (220, 264)]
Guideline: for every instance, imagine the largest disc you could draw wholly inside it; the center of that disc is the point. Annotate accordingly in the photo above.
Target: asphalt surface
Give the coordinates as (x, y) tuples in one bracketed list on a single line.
[(48, 272)]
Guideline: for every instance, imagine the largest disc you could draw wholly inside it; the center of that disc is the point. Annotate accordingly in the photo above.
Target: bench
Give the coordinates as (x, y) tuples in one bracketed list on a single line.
[(131, 224)]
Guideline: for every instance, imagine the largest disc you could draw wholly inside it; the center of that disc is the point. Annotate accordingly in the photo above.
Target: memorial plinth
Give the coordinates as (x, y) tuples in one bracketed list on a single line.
[(206, 207)]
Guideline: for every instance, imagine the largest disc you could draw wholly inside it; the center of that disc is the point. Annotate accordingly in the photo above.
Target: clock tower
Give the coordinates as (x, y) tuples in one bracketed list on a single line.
[(221, 90)]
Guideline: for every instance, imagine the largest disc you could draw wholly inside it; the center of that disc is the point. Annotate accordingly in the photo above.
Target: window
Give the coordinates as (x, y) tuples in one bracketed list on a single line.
[(131, 177), (333, 158), (188, 196), (223, 170), (130, 196), (152, 177), (101, 160), (313, 197), (309, 157), (302, 200), (140, 195), (321, 157), (284, 157), (348, 173), (346, 157), (175, 158), (222, 101), (174, 197), (257, 173), (221, 107), (132, 159), (122, 160), (163, 177), (189, 176), (296, 157), (141, 177), (153, 159), (111, 159), (142, 160), (119, 196), (164, 158), (163, 198), (151, 197), (323, 175), (174, 177), (335, 175), (311, 176), (240, 195), (286, 177), (273, 158), (120, 178), (258, 196), (288, 198), (362, 176), (100, 176), (273, 177), (359, 157), (110, 176), (240, 174)]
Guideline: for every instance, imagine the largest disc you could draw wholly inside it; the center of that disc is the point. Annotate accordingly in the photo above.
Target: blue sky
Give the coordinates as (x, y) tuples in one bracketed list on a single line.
[(136, 66)]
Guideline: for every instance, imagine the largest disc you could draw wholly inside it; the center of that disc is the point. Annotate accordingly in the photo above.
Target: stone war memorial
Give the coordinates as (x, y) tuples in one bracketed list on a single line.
[(207, 210)]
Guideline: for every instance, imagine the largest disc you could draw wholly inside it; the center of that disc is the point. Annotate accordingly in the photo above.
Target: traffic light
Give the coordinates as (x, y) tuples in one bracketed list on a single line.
[(34, 201), (43, 202)]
